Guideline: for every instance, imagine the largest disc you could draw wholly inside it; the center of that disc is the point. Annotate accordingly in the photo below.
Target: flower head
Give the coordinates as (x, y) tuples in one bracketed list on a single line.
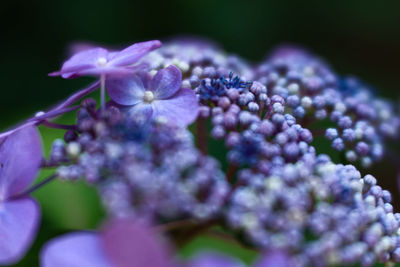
[(20, 158), (127, 243), (161, 96), (97, 61)]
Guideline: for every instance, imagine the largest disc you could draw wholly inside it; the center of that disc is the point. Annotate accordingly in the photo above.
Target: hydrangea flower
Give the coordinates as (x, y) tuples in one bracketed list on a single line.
[(20, 158), (126, 243), (100, 62), (161, 96), (97, 61)]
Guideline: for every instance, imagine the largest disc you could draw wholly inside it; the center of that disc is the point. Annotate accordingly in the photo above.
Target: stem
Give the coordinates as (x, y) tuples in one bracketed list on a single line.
[(187, 234), (230, 173), (58, 126), (36, 186), (102, 91), (201, 136), (173, 225)]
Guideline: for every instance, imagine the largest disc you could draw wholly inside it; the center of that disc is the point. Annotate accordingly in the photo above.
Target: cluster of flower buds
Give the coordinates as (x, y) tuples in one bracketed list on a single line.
[(324, 213), (359, 121), (280, 196), (143, 170)]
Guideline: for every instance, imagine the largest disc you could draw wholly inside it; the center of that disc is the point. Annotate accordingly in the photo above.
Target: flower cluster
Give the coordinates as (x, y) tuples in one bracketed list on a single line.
[(146, 153), (324, 213), (313, 92), (145, 170)]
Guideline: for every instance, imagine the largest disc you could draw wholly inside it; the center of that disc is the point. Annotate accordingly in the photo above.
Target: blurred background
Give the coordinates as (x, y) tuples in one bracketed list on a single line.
[(355, 37)]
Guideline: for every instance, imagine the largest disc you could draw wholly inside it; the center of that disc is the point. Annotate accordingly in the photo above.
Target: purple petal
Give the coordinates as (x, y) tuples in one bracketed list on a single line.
[(51, 114), (75, 250), (181, 109), (166, 82), (212, 259), (141, 112), (129, 244), (18, 225), (10, 132), (20, 158), (80, 62), (274, 259), (78, 95), (126, 91), (133, 53)]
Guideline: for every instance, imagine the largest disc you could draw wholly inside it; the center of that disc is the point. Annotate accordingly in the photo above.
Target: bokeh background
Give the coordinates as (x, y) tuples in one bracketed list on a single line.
[(355, 37)]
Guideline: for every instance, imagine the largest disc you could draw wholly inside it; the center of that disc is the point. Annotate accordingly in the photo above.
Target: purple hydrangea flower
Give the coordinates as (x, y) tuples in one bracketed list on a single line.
[(97, 61), (19, 214), (100, 62), (126, 243), (145, 98), (123, 243)]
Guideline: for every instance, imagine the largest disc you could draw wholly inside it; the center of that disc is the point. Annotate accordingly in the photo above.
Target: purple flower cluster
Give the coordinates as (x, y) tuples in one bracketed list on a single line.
[(279, 196), (143, 170), (324, 213), (313, 92), (127, 243)]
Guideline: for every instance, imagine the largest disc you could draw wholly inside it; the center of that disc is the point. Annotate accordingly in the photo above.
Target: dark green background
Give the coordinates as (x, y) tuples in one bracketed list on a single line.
[(356, 37)]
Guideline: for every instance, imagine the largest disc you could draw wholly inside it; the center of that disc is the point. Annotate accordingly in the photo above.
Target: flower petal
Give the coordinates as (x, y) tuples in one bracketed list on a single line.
[(81, 61), (213, 259), (275, 258), (130, 244), (10, 132), (141, 113), (166, 82), (20, 158), (133, 53), (18, 224), (181, 109), (78, 95), (75, 250), (126, 91)]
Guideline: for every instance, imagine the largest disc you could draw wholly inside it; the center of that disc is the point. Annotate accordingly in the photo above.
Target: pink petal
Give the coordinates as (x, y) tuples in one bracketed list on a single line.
[(182, 108), (81, 249), (133, 53), (126, 91), (166, 82), (20, 158), (18, 224), (213, 259), (129, 244), (81, 61)]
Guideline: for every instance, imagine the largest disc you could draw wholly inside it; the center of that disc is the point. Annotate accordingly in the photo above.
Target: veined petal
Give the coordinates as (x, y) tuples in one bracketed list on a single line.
[(18, 225), (126, 91), (129, 244), (141, 113), (182, 108), (133, 53), (80, 249), (166, 82), (213, 259), (20, 158)]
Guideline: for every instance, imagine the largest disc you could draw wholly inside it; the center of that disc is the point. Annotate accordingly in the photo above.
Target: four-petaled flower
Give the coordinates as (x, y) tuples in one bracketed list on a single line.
[(146, 98), (20, 158), (98, 61), (127, 243)]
